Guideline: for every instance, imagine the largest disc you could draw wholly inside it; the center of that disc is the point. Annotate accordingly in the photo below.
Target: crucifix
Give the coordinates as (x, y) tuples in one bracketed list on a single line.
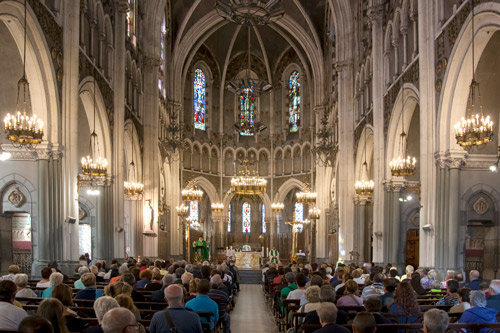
[(294, 225)]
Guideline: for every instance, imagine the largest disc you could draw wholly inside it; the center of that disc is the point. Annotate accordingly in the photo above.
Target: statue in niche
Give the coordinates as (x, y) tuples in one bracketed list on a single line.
[(16, 197)]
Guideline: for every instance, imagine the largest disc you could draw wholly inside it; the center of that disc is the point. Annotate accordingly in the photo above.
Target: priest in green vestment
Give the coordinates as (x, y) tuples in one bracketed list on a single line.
[(200, 250)]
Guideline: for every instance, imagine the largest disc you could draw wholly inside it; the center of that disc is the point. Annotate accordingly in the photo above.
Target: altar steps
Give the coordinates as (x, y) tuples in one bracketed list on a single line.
[(250, 276)]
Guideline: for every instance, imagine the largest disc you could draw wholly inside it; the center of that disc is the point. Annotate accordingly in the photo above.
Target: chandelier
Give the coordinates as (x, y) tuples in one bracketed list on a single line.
[(132, 188), (325, 149), (306, 197), (277, 207), (191, 193), (94, 165), (182, 210), (250, 12), (474, 129), (364, 186), (248, 183), (23, 129), (217, 207), (314, 213), (247, 88), (401, 166), (171, 135)]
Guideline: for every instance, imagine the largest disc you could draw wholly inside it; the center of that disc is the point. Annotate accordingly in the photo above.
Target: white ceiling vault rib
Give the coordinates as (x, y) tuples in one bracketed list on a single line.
[(264, 54), (180, 33), (309, 23)]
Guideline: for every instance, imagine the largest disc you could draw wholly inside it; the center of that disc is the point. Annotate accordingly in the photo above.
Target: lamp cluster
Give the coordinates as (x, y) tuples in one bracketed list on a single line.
[(314, 213), (131, 188), (474, 131), (306, 197), (182, 210), (23, 129), (277, 207), (364, 187), (248, 185), (403, 167), (94, 168), (191, 194), (217, 207)]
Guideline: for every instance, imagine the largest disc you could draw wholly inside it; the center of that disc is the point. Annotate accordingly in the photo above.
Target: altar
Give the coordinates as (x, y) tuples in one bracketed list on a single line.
[(248, 260)]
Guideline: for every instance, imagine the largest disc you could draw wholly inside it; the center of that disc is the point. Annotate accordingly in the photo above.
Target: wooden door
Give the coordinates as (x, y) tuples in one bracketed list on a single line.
[(412, 247)]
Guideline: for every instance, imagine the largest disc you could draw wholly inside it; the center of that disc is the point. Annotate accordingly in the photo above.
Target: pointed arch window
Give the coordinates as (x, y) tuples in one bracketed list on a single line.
[(245, 217), (247, 109), (193, 211), (131, 20), (200, 93), (294, 101), (299, 216), (264, 229), (163, 51), (229, 218)]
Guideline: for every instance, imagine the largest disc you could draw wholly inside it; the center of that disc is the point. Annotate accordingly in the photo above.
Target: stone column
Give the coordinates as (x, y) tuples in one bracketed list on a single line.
[(360, 244), (453, 208), (70, 162), (346, 158), (118, 126), (428, 131), (376, 14), (395, 239)]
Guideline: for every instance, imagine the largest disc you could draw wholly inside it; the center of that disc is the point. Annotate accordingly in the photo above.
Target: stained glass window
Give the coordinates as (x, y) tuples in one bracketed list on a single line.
[(229, 219), (193, 211), (299, 216), (263, 219), (294, 101), (245, 214), (161, 68), (247, 109), (199, 88), (131, 20)]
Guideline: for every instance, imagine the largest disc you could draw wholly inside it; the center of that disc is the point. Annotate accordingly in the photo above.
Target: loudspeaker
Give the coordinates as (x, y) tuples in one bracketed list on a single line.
[(70, 219)]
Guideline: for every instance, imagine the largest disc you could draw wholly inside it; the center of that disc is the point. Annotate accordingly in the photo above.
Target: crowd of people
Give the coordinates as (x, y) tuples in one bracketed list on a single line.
[(323, 289), (186, 289)]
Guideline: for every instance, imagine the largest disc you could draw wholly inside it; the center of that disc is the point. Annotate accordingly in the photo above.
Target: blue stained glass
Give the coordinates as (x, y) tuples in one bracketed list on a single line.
[(229, 219), (246, 221), (299, 216), (199, 88), (263, 219), (294, 102), (247, 109), (193, 211)]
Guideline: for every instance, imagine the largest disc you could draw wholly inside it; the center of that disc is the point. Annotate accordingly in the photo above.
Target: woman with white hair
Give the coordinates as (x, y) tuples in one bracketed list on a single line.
[(55, 280), (21, 281), (478, 313)]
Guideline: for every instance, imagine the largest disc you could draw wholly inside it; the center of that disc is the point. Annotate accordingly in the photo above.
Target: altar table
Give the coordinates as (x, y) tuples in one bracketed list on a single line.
[(248, 260)]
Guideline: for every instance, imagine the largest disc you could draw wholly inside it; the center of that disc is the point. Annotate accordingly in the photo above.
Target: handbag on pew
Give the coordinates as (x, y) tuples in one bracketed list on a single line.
[(170, 322)]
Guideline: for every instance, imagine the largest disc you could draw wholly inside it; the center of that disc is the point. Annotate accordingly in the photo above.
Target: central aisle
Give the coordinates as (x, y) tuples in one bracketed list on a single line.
[(251, 313)]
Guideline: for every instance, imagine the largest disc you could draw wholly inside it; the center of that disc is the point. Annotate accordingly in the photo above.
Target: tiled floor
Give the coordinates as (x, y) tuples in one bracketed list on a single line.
[(251, 313)]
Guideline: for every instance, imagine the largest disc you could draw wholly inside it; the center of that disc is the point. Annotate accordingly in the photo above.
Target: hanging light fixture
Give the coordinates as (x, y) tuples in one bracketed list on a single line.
[(474, 129), (248, 183), (314, 213), (364, 186), (191, 192), (277, 207), (132, 188), (248, 88), (182, 210), (404, 164), (306, 197), (217, 207), (94, 165), (24, 129)]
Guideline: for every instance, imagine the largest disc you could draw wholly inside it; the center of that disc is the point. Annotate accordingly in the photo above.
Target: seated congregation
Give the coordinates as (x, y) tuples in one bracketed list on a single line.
[(313, 298), (133, 296)]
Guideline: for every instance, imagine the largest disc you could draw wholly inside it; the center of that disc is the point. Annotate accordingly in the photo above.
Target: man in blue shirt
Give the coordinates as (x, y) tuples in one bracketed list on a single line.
[(183, 320), (474, 280), (203, 303)]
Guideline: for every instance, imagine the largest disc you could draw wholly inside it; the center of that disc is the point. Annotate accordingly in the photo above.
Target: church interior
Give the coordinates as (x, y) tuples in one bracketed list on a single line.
[(331, 131)]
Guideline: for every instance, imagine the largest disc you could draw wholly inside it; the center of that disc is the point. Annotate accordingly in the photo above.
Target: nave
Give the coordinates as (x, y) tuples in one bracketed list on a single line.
[(252, 313)]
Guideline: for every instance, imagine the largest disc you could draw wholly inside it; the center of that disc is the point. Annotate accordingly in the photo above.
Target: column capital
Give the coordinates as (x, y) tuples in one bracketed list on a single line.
[(376, 13), (451, 159), (121, 6), (344, 65), (153, 61)]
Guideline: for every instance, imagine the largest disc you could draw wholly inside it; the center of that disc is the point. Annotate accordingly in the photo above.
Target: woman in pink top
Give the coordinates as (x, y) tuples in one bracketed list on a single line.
[(350, 297)]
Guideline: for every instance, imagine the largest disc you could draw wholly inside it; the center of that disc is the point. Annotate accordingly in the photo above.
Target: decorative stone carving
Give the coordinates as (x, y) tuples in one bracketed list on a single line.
[(415, 219), (81, 213), (17, 198), (481, 206)]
